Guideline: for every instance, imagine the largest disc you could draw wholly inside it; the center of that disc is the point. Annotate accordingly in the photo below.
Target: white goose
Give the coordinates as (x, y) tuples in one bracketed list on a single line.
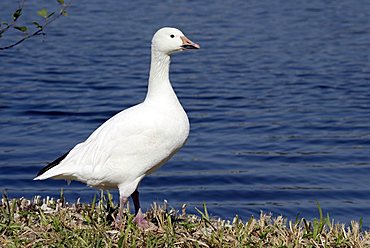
[(136, 141)]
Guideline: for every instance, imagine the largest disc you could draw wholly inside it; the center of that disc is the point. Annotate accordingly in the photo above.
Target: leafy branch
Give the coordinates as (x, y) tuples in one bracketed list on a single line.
[(38, 27)]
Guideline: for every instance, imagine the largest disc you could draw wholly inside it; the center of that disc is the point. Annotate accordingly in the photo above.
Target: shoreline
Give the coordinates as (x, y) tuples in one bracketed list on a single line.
[(49, 222)]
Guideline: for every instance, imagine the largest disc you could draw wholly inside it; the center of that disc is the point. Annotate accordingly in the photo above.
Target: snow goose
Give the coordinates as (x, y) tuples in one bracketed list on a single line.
[(136, 141)]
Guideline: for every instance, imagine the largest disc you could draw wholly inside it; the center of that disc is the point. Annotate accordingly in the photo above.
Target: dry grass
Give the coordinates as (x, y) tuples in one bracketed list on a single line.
[(50, 223)]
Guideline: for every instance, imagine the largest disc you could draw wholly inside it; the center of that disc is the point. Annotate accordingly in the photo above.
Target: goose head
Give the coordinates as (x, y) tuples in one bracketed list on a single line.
[(170, 40)]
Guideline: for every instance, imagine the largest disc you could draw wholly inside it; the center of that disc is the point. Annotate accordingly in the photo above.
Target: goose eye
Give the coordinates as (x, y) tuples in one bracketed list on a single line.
[(172, 36)]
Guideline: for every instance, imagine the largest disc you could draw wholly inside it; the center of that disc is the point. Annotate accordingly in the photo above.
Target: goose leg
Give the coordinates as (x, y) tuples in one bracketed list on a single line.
[(135, 199), (139, 218), (122, 203)]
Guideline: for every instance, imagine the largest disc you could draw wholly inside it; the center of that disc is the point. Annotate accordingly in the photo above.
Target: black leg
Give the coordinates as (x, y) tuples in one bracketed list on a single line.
[(135, 199), (139, 217)]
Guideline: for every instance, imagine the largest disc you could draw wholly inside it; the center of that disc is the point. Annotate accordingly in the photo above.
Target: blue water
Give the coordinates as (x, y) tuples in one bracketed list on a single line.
[(278, 99)]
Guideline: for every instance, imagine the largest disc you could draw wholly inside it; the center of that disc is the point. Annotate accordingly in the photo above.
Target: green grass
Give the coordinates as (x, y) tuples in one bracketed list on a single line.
[(54, 223)]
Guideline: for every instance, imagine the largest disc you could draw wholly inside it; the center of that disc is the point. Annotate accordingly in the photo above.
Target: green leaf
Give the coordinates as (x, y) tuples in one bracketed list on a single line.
[(64, 13), (61, 2), (52, 13), (38, 25), (17, 14), (21, 28), (43, 13)]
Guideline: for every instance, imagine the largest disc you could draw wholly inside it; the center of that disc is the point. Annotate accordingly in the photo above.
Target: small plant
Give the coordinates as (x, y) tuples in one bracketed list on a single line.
[(317, 227)]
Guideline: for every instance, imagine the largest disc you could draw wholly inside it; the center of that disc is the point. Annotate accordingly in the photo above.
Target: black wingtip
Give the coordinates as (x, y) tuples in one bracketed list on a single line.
[(52, 164)]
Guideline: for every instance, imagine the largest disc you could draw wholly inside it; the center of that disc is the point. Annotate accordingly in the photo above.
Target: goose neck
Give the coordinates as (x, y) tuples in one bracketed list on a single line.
[(159, 82)]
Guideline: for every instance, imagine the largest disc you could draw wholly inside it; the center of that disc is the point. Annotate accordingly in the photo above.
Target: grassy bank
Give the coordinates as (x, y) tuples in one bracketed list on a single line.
[(49, 223)]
